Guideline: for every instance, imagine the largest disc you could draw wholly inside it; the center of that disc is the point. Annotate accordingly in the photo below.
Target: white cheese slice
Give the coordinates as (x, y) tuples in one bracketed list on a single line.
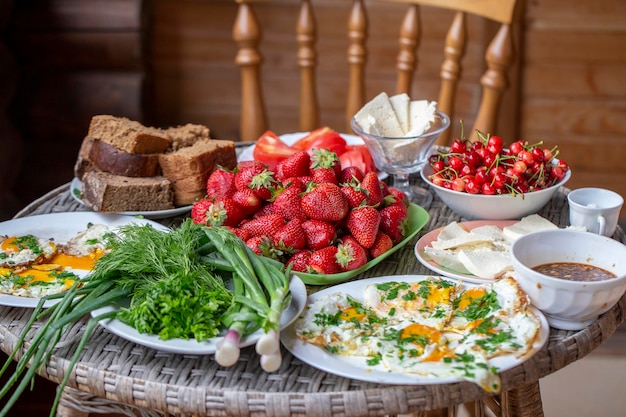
[(470, 239), (446, 259), (486, 264), (421, 116), (451, 231), (400, 104), (492, 232), (528, 224), (380, 108)]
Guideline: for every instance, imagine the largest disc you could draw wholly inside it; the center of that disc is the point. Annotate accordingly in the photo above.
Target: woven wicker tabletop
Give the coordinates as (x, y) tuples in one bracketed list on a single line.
[(116, 375)]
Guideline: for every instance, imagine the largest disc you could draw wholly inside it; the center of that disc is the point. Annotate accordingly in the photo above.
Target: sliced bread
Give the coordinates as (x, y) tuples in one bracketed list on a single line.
[(189, 168), (83, 164), (200, 157), (115, 161), (186, 135), (128, 135), (106, 192)]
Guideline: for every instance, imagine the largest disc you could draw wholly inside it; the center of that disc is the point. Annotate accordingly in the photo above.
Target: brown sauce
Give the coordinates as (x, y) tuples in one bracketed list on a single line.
[(574, 271)]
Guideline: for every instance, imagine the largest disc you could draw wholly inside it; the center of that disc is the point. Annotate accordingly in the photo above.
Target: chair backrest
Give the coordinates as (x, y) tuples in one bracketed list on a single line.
[(499, 57)]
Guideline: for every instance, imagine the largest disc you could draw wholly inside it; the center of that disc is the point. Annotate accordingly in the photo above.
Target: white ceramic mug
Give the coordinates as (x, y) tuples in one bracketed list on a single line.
[(596, 209)]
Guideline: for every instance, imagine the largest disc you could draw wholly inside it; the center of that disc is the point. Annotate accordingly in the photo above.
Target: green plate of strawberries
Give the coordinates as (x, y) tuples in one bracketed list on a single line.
[(416, 220)]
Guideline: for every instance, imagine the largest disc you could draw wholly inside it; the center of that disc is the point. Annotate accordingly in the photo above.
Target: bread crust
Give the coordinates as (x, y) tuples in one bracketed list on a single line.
[(116, 161), (83, 164)]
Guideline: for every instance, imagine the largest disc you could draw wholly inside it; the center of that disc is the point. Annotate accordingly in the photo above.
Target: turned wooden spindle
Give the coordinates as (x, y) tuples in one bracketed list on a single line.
[(409, 40), (357, 57), (306, 31), (247, 35), (499, 59), (456, 41)]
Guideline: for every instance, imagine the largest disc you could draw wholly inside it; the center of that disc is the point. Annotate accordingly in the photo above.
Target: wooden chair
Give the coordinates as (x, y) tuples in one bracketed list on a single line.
[(499, 57)]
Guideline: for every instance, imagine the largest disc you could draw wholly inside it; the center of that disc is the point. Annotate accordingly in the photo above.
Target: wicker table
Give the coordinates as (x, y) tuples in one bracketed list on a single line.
[(118, 376)]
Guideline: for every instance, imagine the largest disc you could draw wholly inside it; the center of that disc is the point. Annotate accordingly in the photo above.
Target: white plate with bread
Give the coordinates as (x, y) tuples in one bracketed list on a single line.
[(126, 167), (76, 189)]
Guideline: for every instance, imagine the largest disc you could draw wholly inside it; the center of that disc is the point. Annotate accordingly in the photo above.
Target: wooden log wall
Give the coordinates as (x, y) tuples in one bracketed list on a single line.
[(569, 90), (75, 58)]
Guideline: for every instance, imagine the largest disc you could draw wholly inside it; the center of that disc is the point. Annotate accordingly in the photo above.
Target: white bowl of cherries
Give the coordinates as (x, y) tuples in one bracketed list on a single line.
[(483, 180)]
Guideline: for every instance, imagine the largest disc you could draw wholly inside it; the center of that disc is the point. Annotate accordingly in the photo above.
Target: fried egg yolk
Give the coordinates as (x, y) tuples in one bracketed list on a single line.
[(84, 262), (420, 336)]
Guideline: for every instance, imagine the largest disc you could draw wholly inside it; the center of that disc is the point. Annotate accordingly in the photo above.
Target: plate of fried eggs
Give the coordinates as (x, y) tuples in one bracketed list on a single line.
[(418, 329), (46, 254)]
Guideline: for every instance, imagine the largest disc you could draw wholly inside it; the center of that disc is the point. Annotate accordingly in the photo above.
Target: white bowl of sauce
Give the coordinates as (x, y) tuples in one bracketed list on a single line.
[(571, 276)]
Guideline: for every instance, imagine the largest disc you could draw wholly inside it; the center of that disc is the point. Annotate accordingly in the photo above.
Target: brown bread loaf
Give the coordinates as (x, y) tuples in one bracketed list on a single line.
[(189, 168), (115, 161), (106, 192), (128, 135)]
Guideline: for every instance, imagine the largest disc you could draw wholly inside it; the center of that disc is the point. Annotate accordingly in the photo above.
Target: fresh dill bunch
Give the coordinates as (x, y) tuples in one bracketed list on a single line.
[(173, 293), (141, 256)]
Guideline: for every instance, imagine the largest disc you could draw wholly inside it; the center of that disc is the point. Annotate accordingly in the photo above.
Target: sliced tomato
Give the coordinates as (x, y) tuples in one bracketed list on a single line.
[(325, 138), (270, 150), (358, 156)]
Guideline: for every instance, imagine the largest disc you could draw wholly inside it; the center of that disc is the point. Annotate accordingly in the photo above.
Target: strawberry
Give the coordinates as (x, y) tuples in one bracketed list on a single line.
[(221, 183), (261, 245), (319, 234), (239, 232), (355, 194), (371, 184), (256, 177), (393, 221), (296, 165), (295, 182), (323, 261), (267, 208), (324, 175), (350, 254), (363, 223), (199, 209), (219, 212), (349, 174), (382, 244), (325, 202), (263, 225), (323, 158), (248, 201), (299, 260), (395, 196), (263, 184), (291, 237), (288, 204)]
